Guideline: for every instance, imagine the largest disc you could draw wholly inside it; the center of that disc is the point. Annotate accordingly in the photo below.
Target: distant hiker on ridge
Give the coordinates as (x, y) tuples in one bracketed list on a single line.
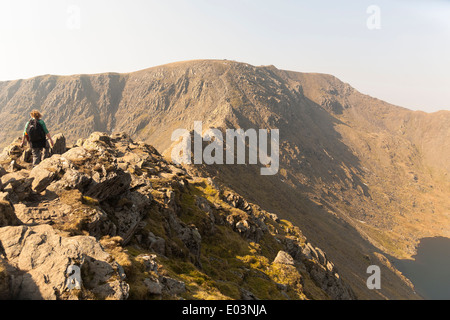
[(36, 133)]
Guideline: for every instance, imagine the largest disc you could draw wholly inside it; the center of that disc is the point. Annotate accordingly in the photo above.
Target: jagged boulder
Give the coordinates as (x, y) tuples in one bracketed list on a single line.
[(249, 226), (17, 184), (27, 156), (59, 146), (284, 258), (97, 141), (330, 282), (12, 151), (110, 185), (47, 171), (72, 179), (192, 239), (237, 201), (13, 178), (128, 211), (77, 155), (321, 270), (41, 257)]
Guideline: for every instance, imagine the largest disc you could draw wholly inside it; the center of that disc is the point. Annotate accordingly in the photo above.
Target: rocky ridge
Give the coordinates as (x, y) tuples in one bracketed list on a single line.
[(362, 177), (139, 227)]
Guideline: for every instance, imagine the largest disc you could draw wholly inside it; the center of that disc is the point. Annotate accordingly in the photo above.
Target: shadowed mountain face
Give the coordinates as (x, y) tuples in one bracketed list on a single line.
[(360, 177)]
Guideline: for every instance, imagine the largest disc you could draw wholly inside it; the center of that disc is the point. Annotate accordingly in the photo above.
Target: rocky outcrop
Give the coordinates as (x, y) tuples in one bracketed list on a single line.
[(47, 171), (108, 185), (284, 258), (59, 146), (244, 220), (17, 185), (136, 226), (38, 258), (319, 267), (158, 284)]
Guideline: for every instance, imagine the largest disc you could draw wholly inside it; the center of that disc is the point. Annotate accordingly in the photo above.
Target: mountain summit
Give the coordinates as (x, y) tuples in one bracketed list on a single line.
[(363, 179)]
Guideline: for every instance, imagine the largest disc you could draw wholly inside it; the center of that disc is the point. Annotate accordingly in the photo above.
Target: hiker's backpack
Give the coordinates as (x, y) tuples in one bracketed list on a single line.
[(35, 131)]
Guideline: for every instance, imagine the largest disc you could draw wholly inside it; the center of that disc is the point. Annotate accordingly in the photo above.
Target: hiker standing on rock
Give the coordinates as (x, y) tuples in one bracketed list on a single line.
[(36, 133)]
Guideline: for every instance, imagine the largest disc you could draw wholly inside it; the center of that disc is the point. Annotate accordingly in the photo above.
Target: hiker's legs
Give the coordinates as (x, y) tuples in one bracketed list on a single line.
[(37, 154)]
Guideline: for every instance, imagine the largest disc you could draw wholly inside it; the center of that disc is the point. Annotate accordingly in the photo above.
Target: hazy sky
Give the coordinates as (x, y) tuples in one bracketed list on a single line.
[(395, 50)]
